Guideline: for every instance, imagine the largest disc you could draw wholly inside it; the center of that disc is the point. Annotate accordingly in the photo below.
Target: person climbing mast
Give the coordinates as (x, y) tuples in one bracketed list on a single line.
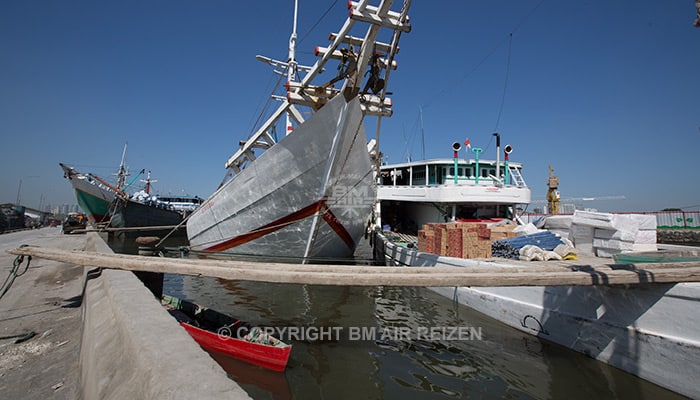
[(374, 82), (346, 69)]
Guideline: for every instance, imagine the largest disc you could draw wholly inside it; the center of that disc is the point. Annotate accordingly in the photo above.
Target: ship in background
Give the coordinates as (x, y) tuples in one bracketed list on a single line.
[(110, 206), (95, 195)]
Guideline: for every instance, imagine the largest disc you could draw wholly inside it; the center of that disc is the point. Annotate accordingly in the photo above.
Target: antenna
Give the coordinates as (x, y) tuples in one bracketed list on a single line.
[(422, 133)]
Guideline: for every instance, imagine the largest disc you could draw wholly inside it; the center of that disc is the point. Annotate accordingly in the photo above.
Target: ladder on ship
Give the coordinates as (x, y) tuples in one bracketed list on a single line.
[(516, 178), (358, 51)]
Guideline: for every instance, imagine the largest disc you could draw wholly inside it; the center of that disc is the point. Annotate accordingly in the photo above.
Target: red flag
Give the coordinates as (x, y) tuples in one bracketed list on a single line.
[(467, 143)]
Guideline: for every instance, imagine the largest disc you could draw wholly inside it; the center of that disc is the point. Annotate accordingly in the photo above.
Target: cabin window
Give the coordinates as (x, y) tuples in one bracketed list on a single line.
[(451, 171), (419, 177)]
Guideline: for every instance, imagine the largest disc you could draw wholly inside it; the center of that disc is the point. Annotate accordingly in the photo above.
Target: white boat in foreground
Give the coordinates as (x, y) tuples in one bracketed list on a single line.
[(310, 193), (649, 330)]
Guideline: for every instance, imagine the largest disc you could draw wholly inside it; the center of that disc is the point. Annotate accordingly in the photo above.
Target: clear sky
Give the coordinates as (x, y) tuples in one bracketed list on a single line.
[(607, 92)]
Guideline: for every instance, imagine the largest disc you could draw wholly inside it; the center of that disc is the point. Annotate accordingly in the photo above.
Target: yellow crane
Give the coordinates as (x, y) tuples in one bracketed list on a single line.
[(553, 194)]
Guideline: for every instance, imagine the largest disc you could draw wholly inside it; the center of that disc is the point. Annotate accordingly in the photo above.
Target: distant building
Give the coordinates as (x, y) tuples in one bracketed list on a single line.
[(64, 209)]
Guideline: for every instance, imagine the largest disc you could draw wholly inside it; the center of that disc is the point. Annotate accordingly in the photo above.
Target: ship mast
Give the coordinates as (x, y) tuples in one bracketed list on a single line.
[(148, 182), (303, 93), (122, 174), (292, 62)]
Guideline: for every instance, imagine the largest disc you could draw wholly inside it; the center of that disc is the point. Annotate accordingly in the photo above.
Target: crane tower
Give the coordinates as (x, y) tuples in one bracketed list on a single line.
[(553, 192)]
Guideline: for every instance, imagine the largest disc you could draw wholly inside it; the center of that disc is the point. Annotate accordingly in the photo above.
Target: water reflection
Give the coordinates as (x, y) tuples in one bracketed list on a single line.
[(497, 363), (492, 361)]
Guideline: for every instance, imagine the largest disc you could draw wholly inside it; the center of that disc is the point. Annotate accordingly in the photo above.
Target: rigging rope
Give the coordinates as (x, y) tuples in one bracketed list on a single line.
[(267, 105), (505, 84), (318, 21), (517, 26)]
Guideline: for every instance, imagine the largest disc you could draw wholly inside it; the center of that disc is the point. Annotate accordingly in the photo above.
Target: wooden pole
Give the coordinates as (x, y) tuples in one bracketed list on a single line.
[(348, 275), (129, 229)]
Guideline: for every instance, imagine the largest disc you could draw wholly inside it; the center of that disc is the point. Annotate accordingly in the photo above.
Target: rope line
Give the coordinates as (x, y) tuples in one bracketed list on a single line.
[(318, 21), (505, 84), (488, 55), (14, 273)]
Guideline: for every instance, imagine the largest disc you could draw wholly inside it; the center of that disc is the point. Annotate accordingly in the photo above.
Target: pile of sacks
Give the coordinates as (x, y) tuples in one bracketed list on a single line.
[(605, 234)]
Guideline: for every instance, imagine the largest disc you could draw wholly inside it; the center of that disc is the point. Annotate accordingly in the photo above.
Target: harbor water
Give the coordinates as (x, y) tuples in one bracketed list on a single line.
[(398, 343)]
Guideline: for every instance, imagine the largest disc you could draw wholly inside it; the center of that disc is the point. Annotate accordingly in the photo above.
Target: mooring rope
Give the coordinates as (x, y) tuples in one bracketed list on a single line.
[(14, 273), (20, 337)]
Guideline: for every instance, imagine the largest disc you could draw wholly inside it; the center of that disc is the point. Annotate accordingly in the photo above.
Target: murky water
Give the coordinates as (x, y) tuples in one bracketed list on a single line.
[(399, 343)]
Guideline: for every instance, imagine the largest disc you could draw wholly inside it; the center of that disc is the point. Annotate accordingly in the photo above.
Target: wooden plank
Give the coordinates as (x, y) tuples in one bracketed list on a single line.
[(131, 228), (346, 275)]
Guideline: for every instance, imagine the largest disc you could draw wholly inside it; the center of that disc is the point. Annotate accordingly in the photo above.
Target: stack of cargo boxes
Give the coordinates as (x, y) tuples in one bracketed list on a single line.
[(461, 239)]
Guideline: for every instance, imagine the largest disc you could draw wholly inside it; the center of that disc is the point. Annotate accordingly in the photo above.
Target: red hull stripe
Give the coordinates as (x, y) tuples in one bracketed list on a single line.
[(333, 222), (285, 221)]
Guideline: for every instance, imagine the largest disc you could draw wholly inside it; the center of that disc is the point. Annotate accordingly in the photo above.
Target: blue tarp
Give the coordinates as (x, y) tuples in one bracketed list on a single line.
[(510, 248)]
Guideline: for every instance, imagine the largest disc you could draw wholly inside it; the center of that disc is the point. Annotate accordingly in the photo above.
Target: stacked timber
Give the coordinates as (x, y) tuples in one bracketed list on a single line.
[(461, 239)]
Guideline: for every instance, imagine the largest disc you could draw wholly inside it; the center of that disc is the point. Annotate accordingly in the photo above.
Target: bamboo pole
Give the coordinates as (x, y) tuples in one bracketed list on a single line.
[(129, 229), (347, 275)]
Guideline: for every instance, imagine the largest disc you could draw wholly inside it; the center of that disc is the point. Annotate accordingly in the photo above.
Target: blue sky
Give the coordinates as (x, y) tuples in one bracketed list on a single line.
[(606, 92)]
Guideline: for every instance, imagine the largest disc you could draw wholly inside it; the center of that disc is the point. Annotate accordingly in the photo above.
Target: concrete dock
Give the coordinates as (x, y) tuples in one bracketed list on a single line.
[(96, 333)]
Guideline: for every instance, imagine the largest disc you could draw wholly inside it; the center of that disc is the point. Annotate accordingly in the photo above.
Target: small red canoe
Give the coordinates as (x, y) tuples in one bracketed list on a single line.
[(218, 332)]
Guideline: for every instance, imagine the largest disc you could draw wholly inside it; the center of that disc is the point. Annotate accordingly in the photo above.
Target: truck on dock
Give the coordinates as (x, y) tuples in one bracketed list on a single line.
[(11, 217)]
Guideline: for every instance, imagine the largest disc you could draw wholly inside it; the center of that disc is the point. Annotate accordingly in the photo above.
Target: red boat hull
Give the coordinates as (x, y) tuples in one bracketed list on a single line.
[(270, 357)]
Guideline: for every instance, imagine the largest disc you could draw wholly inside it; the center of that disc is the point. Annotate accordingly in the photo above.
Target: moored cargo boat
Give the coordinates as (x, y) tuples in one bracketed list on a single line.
[(309, 194), (648, 330), (94, 196)]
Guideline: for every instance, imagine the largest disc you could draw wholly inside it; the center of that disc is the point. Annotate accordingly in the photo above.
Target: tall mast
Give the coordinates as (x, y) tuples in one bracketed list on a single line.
[(148, 182), (292, 62), (422, 133), (121, 174)]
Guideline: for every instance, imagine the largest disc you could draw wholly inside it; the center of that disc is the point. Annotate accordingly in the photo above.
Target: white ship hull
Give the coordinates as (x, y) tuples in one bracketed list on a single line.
[(307, 196), (647, 330)]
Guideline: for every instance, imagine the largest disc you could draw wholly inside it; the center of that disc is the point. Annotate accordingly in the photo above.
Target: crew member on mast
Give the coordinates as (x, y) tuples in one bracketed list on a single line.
[(346, 69), (375, 83)]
